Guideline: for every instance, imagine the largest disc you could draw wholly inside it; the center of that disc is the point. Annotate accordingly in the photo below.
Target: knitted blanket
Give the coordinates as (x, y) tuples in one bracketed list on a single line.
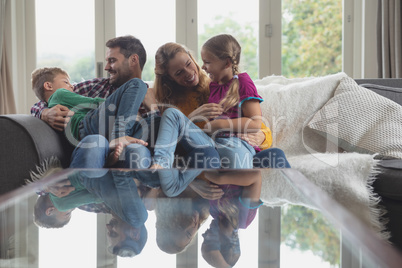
[(288, 106)]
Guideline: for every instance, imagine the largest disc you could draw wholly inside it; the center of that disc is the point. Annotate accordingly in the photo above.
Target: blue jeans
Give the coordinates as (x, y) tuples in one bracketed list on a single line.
[(235, 153), (136, 156), (271, 158), (204, 158), (93, 150), (119, 110), (176, 127)]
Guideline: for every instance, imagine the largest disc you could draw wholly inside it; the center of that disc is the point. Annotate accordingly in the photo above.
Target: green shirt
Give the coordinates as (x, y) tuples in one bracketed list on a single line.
[(80, 105), (80, 196)]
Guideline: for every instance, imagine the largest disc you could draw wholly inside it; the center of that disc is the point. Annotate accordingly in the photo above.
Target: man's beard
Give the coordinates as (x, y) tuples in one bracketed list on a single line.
[(120, 78)]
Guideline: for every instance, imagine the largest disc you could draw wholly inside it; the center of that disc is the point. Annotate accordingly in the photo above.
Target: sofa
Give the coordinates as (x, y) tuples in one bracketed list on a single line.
[(27, 141), (388, 184)]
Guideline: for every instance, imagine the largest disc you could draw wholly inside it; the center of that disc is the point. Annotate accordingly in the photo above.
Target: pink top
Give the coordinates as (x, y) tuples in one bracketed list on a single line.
[(247, 91)]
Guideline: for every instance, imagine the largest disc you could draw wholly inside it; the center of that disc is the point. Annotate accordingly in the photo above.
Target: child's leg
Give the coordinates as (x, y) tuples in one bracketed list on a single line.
[(176, 127), (235, 153), (205, 158), (113, 157), (118, 111), (174, 181), (91, 152), (271, 158), (147, 130), (137, 156)]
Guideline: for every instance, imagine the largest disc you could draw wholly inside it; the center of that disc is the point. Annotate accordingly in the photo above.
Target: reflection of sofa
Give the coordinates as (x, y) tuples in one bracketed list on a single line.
[(26, 141)]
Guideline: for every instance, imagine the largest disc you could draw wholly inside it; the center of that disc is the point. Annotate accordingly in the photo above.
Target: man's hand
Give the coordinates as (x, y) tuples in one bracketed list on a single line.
[(57, 117), (61, 188)]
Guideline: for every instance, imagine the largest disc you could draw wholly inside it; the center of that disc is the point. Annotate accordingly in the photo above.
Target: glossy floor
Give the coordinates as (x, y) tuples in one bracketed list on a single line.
[(177, 218)]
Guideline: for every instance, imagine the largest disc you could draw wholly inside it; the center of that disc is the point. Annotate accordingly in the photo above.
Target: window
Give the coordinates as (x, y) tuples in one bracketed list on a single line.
[(235, 18), (311, 37), (65, 37), (153, 26), (55, 245)]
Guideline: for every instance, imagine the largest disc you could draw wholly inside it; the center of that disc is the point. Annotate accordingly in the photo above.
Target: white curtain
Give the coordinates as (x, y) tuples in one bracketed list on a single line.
[(389, 36), (7, 102)]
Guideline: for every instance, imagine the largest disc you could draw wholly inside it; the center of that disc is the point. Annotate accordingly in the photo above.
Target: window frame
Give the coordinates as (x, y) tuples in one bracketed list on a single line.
[(359, 39)]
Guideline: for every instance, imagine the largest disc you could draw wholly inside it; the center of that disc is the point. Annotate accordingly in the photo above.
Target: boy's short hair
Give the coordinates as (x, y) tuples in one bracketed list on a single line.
[(129, 45), (42, 75), (46, 168), (43, 220)]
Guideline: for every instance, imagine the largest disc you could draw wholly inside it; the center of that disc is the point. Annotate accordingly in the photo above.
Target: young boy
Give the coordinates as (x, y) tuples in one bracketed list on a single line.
[(113, 117)]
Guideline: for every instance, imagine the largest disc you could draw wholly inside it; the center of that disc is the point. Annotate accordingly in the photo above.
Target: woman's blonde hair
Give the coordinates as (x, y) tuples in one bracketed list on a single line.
[(225, 46), (174, 215), (164, 85)]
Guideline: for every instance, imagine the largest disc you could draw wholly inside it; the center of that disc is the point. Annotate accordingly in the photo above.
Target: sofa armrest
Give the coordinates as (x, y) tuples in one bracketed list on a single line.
[(25, 142)]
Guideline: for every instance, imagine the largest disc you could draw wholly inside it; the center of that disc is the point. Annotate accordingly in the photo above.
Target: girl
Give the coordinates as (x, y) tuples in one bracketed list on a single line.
[(234, 152), (235, 210), (238, 96)]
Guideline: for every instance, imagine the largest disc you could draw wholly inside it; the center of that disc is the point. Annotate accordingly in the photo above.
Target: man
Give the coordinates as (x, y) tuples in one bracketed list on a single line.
[(125, 59)]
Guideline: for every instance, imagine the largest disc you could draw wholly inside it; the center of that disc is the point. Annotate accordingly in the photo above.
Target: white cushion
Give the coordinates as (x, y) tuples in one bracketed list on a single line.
[(359, 120), (289, 104)]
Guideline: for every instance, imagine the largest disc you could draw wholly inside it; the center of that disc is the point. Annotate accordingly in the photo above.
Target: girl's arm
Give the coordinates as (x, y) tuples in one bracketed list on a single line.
[(250, 122), (252, 193), (251, 180), (262, 139), (235, 177)]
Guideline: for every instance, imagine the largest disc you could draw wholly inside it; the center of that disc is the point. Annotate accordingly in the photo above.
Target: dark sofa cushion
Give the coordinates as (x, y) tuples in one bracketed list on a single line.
[(391, 93), (389, 180), (25, 142)]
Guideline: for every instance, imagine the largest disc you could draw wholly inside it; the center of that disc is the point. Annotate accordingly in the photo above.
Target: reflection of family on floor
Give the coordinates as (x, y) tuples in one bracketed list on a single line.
[(208, 118)]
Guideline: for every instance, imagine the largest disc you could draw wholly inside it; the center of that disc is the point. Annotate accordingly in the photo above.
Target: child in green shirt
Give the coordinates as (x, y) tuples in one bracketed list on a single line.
[(113, 117)]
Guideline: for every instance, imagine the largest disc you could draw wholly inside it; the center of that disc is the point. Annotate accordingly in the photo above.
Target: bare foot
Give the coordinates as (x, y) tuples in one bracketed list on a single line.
[(154, 167), (114, 155)]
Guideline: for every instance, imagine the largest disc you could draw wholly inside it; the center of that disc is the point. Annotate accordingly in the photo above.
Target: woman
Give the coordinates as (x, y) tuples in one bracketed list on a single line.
[(181, 83)]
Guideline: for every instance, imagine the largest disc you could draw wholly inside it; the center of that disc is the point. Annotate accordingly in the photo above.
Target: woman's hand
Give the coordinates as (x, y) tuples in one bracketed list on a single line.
[(255, 139), (206, 112), (206, 189)]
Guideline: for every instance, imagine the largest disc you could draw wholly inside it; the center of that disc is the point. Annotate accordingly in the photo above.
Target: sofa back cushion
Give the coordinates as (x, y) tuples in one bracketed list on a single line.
[(389, 88)]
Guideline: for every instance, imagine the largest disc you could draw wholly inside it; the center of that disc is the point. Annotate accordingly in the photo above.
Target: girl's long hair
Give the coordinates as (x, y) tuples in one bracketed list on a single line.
[(225, 46)]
